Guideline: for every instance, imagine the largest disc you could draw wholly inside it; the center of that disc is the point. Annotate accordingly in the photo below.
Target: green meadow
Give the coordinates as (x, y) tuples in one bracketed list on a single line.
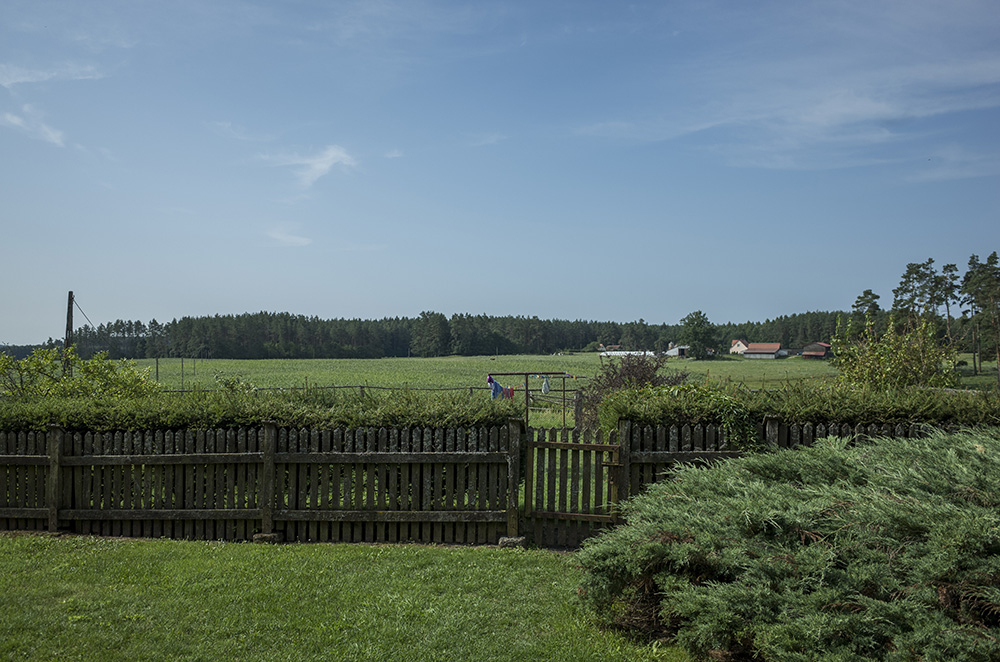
[(461, 372)]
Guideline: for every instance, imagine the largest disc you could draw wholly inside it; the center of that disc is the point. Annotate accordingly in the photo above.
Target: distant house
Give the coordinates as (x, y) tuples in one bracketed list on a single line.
[(739, 346), (764, 350), (679, 351), (629, 353), (816, 350)]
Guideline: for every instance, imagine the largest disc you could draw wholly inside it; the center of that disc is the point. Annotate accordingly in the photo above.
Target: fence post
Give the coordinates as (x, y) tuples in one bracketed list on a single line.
[(625, 459), (529, 473), (53, 487), (268, 478), (513, 476), (771, 431)]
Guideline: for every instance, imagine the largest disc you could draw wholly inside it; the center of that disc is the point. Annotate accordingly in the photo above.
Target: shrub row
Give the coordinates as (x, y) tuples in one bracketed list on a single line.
[(220, 409), (803, 403)]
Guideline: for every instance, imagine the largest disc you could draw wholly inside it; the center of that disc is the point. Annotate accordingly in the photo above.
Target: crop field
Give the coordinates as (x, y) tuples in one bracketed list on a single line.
[(460, 372)]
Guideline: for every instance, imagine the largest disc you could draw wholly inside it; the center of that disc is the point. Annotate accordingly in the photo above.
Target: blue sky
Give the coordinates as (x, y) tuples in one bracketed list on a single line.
[(577, 160)]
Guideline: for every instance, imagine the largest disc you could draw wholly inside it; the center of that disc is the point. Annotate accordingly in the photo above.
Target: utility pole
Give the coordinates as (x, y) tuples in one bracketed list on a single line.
[(68, 340)]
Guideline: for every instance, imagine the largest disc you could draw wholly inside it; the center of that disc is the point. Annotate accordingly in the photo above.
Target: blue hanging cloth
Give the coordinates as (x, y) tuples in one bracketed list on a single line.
[(496, 391)]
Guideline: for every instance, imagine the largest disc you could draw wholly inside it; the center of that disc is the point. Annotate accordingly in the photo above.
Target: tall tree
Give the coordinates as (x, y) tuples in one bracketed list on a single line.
[(948, 284), (431, 335), (981, 290), (866, 304), (699, 334), (916, 295)]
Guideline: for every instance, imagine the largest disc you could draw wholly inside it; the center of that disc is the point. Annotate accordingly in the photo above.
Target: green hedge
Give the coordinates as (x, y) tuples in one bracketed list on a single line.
[(806, 403), (887, 550), (220, 409)]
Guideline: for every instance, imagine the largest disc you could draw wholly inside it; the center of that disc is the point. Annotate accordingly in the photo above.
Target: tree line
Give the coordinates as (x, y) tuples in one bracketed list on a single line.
[(963, 309), (267, 335)]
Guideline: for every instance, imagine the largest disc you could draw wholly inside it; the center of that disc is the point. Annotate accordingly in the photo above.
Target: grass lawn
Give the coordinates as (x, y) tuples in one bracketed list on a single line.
[(82, 598)]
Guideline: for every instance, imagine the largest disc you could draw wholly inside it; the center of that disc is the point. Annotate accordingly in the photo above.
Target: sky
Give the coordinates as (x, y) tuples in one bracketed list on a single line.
[(576, 159)]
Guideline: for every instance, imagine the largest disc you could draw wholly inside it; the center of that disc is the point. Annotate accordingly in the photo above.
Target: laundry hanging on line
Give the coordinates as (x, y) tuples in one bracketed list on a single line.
[(498, 391)]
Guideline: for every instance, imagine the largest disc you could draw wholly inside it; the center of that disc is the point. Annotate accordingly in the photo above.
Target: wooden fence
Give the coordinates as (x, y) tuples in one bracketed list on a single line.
[(333, 485), (367, 485)]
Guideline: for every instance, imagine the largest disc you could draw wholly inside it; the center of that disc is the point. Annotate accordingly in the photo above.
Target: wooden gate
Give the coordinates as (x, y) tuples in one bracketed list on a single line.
[(573, 481), (571, 485)]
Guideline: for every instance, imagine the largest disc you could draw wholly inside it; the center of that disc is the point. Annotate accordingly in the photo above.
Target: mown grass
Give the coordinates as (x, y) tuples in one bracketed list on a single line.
[(82, 598)]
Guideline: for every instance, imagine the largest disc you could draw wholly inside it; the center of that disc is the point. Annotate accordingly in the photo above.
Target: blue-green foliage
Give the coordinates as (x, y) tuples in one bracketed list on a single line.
[(889, 550)]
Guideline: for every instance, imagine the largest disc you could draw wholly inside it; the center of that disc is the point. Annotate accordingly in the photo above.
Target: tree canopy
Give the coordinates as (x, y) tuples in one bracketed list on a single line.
[(267, 335)]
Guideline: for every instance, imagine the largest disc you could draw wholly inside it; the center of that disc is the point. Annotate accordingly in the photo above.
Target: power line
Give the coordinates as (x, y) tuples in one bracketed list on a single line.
[(77, 304)]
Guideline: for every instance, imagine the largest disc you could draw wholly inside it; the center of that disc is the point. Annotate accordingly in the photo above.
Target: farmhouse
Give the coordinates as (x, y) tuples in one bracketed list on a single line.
[(739, 346), (764, 350), (679, 351), (816, 350)]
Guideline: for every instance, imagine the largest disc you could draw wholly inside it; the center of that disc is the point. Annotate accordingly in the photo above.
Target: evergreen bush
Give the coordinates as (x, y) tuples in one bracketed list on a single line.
[(886, 550)]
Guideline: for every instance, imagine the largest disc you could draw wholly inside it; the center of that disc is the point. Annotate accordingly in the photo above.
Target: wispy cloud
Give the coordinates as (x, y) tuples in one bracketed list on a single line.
[(30, 123), (309, 168), (803, 88), (282, 236), (394, 154), (11, 75)]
